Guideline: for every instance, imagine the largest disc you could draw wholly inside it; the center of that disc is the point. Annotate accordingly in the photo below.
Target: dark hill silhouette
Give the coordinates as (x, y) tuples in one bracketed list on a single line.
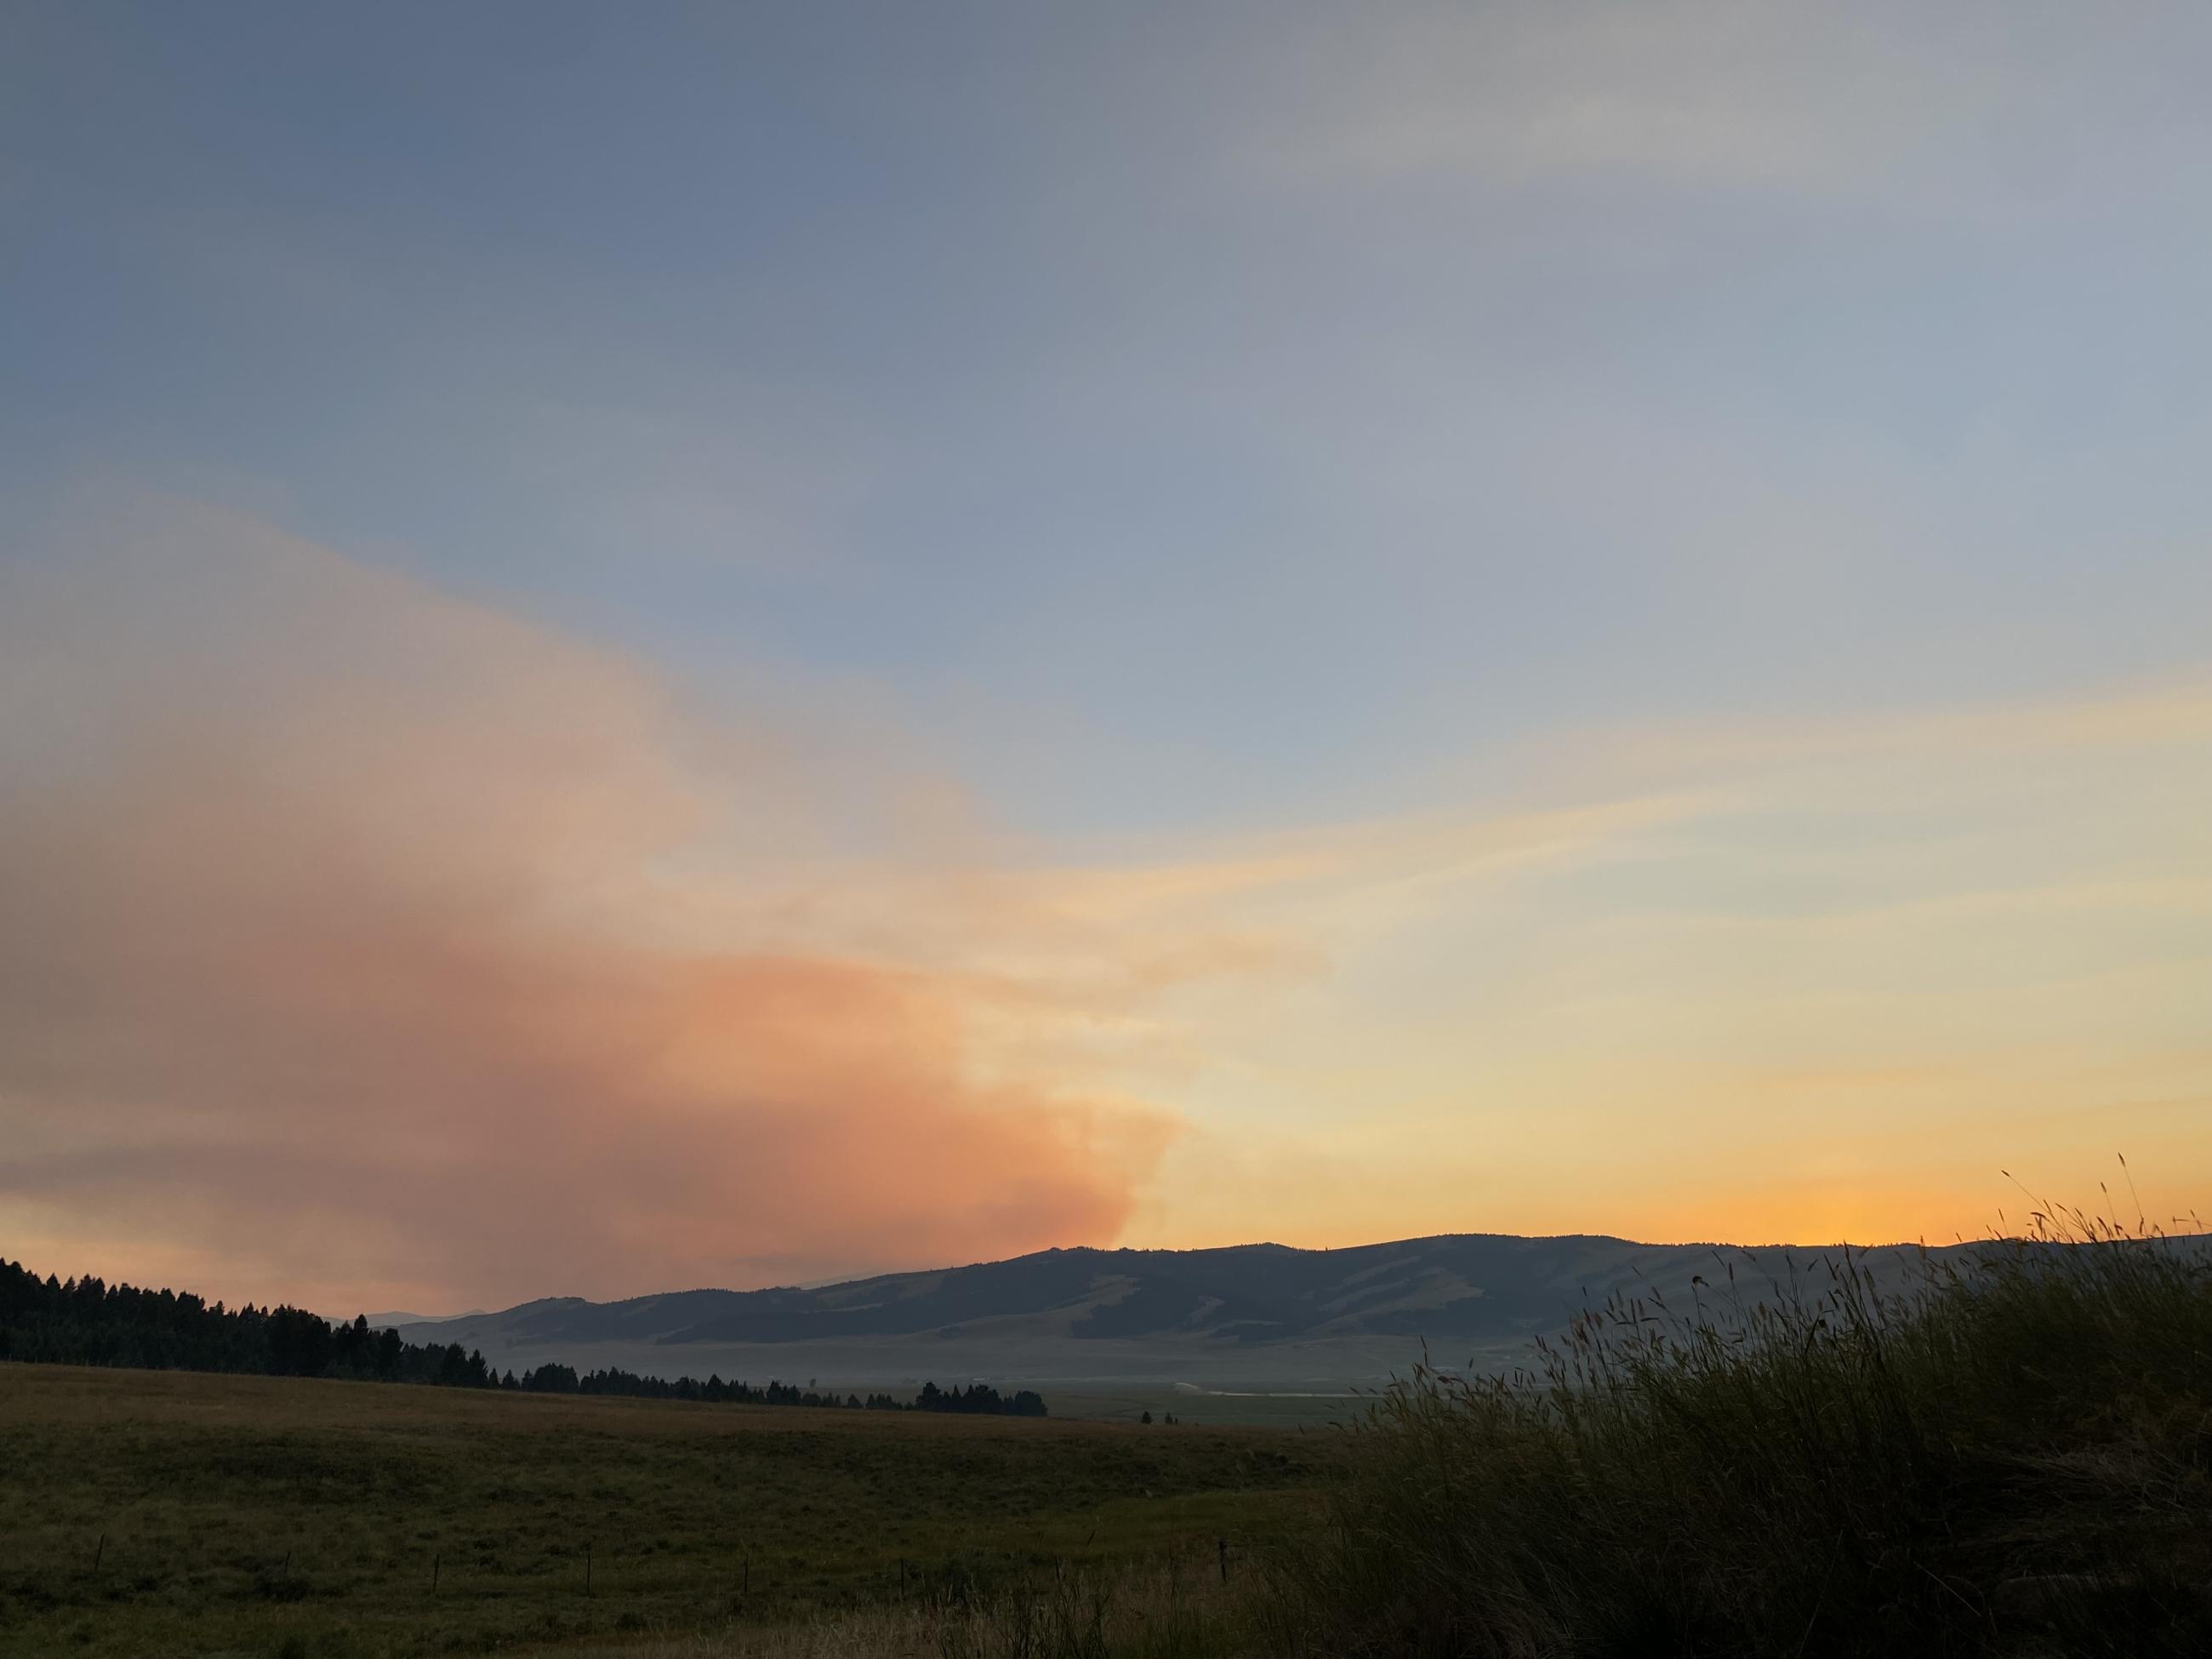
[(1459, 1287)]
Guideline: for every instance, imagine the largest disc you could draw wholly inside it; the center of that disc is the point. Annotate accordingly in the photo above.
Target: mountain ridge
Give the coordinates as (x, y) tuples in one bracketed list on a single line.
[(1480, 1286)]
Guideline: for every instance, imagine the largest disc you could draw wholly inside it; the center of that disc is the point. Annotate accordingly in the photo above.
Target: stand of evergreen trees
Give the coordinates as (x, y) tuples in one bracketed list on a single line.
[(977, 1397), (88, 1321)]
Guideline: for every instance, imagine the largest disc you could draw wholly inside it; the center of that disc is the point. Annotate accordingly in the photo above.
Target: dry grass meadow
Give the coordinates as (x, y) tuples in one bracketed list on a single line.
[(2014, 1460), (144, 1513)]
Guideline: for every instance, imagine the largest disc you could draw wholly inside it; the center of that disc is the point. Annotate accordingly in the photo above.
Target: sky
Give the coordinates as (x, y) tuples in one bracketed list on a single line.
[(720, 645)]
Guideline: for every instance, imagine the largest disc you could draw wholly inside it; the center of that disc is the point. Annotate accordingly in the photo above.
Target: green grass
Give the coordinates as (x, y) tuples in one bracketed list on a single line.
[(265, 1515), (1312, 1412), (2017, 1460), (1175, 1607)]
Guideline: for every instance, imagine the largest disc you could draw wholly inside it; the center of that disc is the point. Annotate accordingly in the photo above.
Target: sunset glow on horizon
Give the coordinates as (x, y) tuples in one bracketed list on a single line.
[(823, 652)]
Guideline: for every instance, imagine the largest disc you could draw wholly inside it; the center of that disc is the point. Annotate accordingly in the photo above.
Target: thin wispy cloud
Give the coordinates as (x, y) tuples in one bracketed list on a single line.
[(1784, 98)]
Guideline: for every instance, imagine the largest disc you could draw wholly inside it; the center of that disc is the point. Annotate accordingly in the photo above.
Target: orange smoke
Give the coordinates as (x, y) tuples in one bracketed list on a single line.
[(334, 965)]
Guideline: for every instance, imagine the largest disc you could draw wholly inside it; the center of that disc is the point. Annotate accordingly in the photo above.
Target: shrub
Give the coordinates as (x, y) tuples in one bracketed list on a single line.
[(2011, 1458)]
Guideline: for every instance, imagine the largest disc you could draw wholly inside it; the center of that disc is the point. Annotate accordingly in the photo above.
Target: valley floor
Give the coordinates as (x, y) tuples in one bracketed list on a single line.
[(146, 1513), (2016, 1461)]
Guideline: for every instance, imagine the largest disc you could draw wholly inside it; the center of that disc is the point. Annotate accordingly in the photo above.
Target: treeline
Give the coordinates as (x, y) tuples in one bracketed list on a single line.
[(88, 1321), (977, 1397)]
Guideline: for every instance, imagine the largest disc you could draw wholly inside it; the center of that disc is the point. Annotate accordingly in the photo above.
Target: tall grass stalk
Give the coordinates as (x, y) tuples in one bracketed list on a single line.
[(1156, 1611), (2010, 1456)]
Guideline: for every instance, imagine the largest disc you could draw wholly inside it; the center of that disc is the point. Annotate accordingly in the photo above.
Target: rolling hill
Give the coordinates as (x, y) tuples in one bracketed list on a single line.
[(1253, 1313)]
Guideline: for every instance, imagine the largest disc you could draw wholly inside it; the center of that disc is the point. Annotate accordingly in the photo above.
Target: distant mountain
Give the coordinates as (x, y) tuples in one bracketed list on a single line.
[(1455, 1289), (378, 1321)]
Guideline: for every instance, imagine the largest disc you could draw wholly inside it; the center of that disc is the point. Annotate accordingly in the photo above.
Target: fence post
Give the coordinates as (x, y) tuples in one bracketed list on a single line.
[(1221, 1545)]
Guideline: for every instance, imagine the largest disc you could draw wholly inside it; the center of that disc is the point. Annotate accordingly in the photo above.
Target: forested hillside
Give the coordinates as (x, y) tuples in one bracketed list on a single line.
[(88, 1322)]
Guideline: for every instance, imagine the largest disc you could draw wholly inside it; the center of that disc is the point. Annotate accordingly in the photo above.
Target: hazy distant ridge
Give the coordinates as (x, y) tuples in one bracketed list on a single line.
[(1453, 1287)]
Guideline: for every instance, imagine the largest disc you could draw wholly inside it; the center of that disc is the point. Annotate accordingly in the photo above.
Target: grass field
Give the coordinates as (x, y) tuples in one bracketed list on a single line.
[(146, 1513), (1312, 1412), (2015, 1461)]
